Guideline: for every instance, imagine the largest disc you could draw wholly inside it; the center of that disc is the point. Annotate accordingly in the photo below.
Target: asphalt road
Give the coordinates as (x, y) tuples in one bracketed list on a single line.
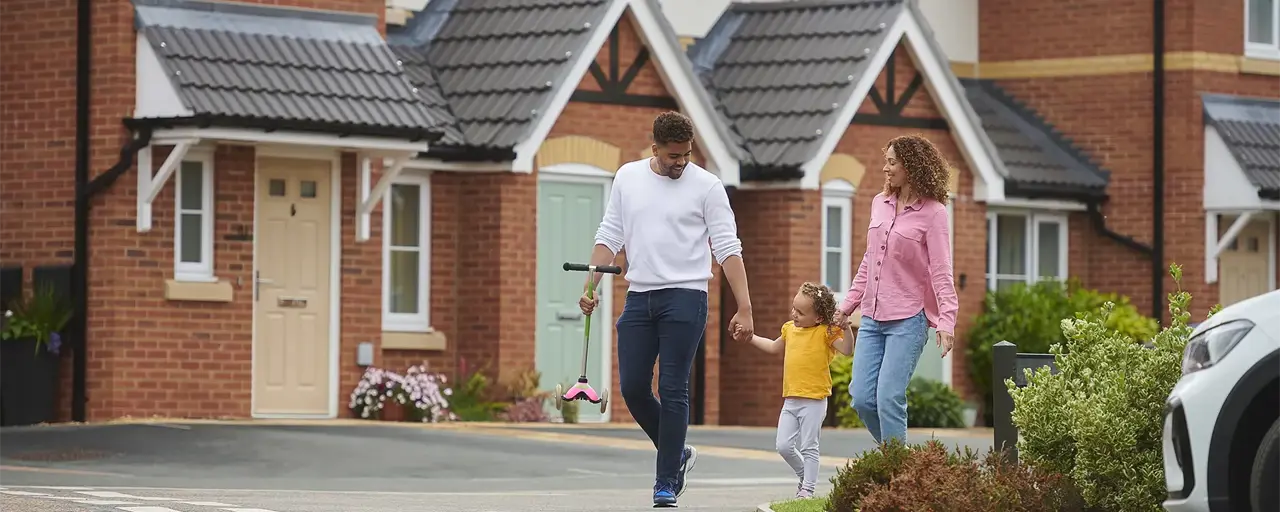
[(352, 467)]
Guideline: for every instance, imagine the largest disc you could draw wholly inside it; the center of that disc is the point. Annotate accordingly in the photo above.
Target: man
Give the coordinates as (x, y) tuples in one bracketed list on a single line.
[(663, 210)]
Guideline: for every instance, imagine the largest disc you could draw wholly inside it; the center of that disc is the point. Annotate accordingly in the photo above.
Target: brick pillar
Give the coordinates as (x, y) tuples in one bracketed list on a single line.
[(781, 248)]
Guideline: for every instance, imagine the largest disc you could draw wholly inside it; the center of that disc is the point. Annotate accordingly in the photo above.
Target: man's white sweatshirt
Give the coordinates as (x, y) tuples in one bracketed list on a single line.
[(665, 225)]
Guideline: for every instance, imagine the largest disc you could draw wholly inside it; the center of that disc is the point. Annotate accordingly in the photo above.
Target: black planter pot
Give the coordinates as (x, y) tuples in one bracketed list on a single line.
[(28, 383)]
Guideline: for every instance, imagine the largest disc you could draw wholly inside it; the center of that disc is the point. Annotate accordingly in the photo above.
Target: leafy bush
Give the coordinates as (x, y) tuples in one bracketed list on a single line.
[(1031, 317), (471, 401), (1099, 419), (927, 477), (932, 404), (841, 375), (529, 402)]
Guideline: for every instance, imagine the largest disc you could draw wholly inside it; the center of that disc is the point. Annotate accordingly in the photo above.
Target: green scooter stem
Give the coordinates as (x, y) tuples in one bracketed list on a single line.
[(586, 334)]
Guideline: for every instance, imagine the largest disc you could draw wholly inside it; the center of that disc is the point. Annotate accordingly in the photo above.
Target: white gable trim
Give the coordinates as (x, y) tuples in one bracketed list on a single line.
[(527, 149), (988, 183), (1226, 187), (679, 82)]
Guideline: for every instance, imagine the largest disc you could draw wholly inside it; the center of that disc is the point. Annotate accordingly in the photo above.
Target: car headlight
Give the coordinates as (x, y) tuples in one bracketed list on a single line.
[(1209, 347)]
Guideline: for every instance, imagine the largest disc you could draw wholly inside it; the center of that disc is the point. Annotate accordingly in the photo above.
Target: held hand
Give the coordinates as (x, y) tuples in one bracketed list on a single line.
[(743, 326), (945, 342), (840, 320)]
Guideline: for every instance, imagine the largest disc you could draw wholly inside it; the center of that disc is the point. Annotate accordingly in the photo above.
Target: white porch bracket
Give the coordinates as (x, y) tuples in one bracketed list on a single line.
[(1214, 247), (149, 185), (369, 198)]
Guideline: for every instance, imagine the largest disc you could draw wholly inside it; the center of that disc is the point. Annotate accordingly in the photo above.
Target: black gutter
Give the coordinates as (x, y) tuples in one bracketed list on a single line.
[(1100, 225), (84, 192), (1157, 163), (79, 269)]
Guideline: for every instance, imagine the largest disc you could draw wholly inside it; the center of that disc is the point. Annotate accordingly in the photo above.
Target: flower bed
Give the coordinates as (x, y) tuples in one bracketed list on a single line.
[(417, 395)]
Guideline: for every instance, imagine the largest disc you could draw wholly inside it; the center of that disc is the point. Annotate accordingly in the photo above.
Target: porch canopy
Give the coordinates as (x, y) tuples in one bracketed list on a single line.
[(1241, 166), (250, 74)]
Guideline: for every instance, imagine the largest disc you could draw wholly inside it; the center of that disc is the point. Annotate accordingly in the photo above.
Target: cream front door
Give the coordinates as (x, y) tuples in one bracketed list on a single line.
[(291, 343), (1243, 265)]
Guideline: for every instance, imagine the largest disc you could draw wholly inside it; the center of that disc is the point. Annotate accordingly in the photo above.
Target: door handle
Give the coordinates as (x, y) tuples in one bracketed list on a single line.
[(258, 282), (569, 315)]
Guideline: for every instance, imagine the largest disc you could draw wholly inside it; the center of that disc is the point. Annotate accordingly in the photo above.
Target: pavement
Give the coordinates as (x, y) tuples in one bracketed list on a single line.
[(353, 466)]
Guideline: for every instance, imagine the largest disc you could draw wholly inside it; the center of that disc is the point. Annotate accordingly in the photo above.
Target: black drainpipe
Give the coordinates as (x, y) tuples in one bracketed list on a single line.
[(1157, 163), (85, 190)]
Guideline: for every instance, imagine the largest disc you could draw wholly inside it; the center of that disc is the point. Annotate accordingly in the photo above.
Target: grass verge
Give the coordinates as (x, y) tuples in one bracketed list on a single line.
[(802, 505)]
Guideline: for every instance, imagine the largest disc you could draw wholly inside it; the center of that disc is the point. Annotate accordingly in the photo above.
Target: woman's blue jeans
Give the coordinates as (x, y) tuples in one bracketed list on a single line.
[(883, 361)]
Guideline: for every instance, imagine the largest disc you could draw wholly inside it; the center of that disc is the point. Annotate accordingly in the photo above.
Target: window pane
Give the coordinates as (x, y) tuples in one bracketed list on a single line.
[(832, 278), (192, 235), (405, 215), (833, 226), (1011, 240), (276, 188), (307, 189), (1048, 249), (192, 191), (1005, 284), (1261, 21), (404, 282)]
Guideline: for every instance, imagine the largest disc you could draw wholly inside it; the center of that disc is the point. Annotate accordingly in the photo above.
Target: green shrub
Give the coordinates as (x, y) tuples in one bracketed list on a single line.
[(932, 404), (841, 375), (1099, 419), (927, 477), (1031, 318), (470, 401)]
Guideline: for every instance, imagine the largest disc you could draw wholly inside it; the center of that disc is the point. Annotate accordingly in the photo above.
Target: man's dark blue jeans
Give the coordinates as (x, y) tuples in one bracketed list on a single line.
[(664, 325)]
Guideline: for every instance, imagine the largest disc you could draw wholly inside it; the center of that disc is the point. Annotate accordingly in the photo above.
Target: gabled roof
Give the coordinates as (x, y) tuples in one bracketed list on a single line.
[(491, 66), (1250, 127), (1041, 163), (243, 65), (781, 71)]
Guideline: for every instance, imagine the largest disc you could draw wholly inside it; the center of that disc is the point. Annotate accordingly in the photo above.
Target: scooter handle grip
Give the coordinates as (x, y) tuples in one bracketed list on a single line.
[(603, 269)]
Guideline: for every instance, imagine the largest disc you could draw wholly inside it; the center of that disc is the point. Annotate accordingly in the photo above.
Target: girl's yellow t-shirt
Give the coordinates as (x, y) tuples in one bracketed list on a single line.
[(806, 367)]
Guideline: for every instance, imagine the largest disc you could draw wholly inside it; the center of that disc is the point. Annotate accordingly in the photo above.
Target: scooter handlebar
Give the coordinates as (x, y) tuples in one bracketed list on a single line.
[(603, 269)]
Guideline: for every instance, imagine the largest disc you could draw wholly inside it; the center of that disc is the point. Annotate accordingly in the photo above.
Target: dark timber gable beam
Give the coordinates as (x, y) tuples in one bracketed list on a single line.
[(613, 88), (889, 109)]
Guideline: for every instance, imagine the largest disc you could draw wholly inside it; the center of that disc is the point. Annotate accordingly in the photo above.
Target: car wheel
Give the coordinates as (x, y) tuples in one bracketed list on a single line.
[(1263, 493)]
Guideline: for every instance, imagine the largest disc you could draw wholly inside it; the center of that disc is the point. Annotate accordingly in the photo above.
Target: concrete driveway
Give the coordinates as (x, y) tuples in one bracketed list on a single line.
[(360, 466)]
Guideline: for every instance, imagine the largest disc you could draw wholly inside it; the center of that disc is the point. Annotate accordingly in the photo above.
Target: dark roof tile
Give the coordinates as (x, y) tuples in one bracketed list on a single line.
[(285, 67), (1251, 129), (779, 72), (1038, 160), (493, 64)]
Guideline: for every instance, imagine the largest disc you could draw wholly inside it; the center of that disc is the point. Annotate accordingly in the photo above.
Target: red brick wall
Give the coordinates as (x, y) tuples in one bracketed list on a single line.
[(1110, 116), (630, 129), (970, 257)]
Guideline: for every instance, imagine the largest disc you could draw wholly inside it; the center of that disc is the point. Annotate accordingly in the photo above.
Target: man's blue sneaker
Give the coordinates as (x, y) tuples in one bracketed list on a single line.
[(687, 459), (663, 496)]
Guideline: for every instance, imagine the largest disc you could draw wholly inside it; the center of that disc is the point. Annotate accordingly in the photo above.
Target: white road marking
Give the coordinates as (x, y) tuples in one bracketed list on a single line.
[(113, 494), (148, 509), (59, 487), (203, 490), (247, 510), (207, 504), (25, 493), (102, 502), (591, 472)]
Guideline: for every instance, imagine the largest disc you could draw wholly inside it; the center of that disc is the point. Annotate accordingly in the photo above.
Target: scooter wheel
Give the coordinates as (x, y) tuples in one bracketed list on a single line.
[(559, 398), (604, 400)]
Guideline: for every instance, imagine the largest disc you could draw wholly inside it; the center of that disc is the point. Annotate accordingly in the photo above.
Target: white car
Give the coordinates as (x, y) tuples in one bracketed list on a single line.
[(1222, 419)]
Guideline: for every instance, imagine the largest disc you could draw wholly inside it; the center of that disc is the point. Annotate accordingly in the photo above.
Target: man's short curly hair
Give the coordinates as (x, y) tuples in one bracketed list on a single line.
[(672, 127), (927, 170)]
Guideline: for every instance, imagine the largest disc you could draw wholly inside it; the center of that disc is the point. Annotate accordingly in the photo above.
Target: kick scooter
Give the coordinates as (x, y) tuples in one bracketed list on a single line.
[(582, 390)]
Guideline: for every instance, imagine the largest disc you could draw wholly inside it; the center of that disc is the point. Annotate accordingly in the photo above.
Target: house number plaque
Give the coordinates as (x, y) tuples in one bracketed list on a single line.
[(291, 302)]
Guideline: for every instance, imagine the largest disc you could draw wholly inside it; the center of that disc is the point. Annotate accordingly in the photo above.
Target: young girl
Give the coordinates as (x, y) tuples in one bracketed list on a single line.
[(811, 340)]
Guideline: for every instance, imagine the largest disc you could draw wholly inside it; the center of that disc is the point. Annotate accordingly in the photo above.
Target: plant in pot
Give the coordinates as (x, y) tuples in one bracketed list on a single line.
[(30, 345)]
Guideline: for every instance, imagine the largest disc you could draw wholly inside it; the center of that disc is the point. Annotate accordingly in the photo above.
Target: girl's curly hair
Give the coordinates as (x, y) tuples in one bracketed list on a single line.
[(824, 303), (927, 170)]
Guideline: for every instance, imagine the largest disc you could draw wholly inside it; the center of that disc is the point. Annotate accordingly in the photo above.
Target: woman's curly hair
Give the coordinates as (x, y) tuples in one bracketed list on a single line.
[(927, 170), (824, 303)]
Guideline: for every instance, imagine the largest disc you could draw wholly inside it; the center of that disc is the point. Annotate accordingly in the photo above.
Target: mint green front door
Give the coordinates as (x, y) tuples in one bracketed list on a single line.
[(930, 365), (568, 215)]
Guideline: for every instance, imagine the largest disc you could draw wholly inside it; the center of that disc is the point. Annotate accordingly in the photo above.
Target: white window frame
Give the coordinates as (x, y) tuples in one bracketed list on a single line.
[(409, 322), (1034, 219), (201, 271), (839, 194), (1263, 50)]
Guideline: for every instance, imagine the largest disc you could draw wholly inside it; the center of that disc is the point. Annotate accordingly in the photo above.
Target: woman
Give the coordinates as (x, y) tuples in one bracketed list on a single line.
[(903, 285)]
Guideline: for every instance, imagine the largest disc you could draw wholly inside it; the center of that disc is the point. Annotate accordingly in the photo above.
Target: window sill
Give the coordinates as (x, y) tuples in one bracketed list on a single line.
[(196, 291), (1260, 65), (430, 340)]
